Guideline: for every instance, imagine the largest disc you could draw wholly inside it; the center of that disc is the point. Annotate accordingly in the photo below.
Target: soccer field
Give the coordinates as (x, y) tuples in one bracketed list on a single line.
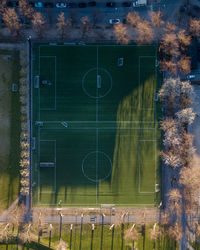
[(95, 137)]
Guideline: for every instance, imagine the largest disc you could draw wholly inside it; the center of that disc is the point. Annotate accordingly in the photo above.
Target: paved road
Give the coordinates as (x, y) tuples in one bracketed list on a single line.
[(91, 219)]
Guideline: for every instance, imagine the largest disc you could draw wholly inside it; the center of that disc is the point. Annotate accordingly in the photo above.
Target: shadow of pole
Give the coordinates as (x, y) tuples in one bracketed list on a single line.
[(81, 232), (102, 224), (122, 236), (113, 232), (92, 235)]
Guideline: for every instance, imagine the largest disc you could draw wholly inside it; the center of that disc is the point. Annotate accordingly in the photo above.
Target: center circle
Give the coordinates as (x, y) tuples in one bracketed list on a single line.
[(97, 82), (96, 166)]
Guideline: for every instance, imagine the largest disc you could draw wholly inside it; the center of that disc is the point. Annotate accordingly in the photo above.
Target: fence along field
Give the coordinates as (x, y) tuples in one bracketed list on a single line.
[(95, 125)]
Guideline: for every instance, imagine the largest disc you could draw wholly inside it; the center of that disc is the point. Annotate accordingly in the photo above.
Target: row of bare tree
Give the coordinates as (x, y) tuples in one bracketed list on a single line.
[(173, 41), (24, 137), (179, 153)]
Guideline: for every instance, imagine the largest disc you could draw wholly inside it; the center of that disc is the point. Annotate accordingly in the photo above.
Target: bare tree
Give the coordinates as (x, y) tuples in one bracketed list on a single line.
[(25, 9), (145, 33), (171, 158), (73, 17), (169, 124), (131, 235), (189, 176), (176, 231), (184, 39), (186, 116), (156, 18), (121, 34), (186, 97), (10, 18), (169, 66), (85, 21), (61, 24), (38, 23), (171, 133), (3, 5), (170, 90), (170, 27), (170, 44), (195, 27), (175, 200), (184, 65), (95, 17), (133, 18)]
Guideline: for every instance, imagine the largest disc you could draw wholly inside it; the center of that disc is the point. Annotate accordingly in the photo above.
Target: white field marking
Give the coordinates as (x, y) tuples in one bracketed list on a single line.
[(140, 84), (55, 165), (39, 86), (89, 45), (99, 121), (92, 204), (155, 103), (38, 161), (83, 80), (97, 148), (48, 192), (55, 67), (97, 60), (85, 128), (139, 156)]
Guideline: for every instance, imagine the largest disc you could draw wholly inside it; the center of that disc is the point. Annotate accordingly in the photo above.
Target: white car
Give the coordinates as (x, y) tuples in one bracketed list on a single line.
[(135, 4), (61, 5), (190, 77), (114, 21)]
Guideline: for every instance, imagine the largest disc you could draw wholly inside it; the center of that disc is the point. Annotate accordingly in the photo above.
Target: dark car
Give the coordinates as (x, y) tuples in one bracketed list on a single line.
[(126, 4), (48, 5), (10, 4), (92, 4), (24, 21), (82, 5), (32, 4), (71, 5), (110, 4)]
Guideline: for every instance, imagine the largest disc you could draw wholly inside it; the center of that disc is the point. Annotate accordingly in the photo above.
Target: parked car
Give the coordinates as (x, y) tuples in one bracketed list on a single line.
[(48, 5), (61, 5), (126, 4), (24, 21), (135, 4), (110, 4), (124, 21), (92, 4), (114, 21), (71, 5), (190, 77), (32, 4), (82, 5), (38, 4), (10, 4)]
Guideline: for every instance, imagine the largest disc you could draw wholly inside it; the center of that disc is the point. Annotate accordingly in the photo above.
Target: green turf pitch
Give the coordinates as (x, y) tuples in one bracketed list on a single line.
[(96, 123)]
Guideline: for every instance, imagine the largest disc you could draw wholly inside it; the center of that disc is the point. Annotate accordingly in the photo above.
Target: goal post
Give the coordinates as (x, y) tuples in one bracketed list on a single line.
[(47, 164), (98, 81)]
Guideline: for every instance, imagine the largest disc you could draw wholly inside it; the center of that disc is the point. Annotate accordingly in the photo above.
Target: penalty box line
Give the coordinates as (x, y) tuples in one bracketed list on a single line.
[(139, 167), (139, 80), (55, 83), (55, 167)]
